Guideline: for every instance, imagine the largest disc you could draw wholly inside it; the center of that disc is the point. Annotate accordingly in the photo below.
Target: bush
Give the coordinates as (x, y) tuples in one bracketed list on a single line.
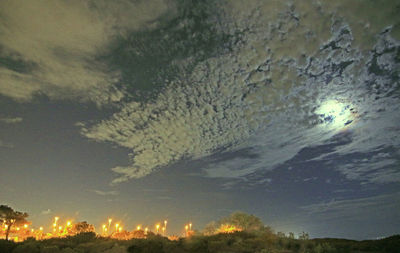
[(6, 246), (50, 249), (147, 246), (27, 248), (82, 237)]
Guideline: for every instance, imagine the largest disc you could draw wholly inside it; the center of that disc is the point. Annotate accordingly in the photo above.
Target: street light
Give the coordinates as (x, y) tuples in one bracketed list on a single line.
[(138, 227), (109, 223), (116, 227), (157, 227), (186, 230)]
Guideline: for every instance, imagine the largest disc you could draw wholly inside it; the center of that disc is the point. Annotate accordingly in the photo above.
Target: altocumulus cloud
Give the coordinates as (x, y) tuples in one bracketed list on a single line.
[(266, 94), (51, 47)]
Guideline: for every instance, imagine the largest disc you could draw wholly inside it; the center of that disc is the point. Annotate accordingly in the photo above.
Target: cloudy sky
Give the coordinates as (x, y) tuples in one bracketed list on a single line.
[(189, 110)]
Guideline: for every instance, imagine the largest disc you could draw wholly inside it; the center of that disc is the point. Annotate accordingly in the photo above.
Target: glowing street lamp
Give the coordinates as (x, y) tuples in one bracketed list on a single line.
[(157, 227), (104, 228), (145, 230), (41, 228), (138, 227), (116, 227), (186, 230), (68, 223), (109, 223), (163, 230), (25, 226), (190, 226), (120, 229)]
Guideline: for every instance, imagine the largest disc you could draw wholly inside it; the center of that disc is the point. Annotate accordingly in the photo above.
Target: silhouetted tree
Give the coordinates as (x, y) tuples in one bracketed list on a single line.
[(210, 228), (237, 221), (304, 236), (82, 227), (10, 218), (246, 222)]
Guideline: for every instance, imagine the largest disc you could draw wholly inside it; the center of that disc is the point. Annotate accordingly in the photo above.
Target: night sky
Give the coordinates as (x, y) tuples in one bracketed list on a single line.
[(190, 110)]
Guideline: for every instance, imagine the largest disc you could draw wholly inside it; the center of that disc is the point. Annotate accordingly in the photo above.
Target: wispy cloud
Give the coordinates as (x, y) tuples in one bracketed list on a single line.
[(352, 207), (52, 47), (11, 120), (105, 193), (377, 168), (5, 144), (46, 212)]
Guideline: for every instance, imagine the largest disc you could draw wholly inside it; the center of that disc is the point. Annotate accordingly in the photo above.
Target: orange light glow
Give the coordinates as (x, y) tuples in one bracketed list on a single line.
[(228, 228)]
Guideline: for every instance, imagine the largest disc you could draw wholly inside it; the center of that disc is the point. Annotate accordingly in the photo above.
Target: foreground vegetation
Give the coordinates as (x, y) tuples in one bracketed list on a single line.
[(237, 242), (236, 233)]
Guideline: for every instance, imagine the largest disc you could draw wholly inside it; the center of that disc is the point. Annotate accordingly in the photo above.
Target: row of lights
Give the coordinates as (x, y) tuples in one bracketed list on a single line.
[(105, 229), (118, 228)]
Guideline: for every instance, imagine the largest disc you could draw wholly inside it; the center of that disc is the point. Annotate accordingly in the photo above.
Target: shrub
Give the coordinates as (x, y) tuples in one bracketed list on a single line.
[(6, 246), (50, 249), (27, 248)]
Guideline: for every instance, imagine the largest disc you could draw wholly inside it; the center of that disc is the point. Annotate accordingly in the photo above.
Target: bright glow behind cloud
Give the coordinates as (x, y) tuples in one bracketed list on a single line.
[(335, 114)]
